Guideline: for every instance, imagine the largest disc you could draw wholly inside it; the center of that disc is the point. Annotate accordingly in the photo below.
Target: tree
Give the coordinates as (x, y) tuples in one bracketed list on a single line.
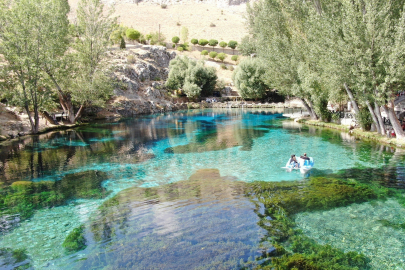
[(194, 41), (203, 42), (213, 54), (222, 56), (247, 46), (232, 44), (184, 34), (204, 52), (248, 79), (175, 40), (157, 38), (185, 71), (223, 44), (32, 33), (191, 90), (235, 58), (122, 44), (213, 43), (148, 37), (132, 34)]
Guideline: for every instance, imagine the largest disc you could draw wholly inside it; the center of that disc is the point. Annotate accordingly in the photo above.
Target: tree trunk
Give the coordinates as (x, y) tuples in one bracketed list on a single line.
[(380, 120), (30, 118), (394, 120), (308, 108), (352, 100), (79, 113), (375, 119), (49, 118), (311, 105)]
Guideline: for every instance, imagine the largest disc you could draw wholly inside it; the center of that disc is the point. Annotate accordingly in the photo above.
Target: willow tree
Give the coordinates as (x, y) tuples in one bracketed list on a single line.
[(28, 28)]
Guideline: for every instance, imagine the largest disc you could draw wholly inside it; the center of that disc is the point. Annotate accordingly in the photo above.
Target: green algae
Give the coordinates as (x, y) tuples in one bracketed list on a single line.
[(23, 197), (282, 200), (75, 241), (391, 224), (14, 259)]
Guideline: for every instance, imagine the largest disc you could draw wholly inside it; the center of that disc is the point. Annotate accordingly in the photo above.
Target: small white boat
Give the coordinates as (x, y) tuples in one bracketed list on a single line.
[(303, 165)]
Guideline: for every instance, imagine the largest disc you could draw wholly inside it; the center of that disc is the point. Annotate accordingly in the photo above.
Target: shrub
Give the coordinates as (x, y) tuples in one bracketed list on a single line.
[(248, 79), (175, 40), (122, 44), (212, 25), (191, 90), (223, 44), (232, 44), (194, 41), (180, 49), (247, 46), (131, 59), (163, 6), (223, 66), (178, 23), (222, 56), (184, 34), (213, 55), (231, 68), (148, 37), (235, 58), (132, 34), (204, 52), (75, 240), (142, 39), (213, 43), (157, 39), (183, 69), (203, 42), (173, 46)]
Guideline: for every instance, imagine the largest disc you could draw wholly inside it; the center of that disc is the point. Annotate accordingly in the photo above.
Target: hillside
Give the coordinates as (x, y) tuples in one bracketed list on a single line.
[(197, 17)]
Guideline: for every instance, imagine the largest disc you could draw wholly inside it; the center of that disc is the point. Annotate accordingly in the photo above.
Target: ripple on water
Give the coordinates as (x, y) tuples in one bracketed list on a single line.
[(359, 228)]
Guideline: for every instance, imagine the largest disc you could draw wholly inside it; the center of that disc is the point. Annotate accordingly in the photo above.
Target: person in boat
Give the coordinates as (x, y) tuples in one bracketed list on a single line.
[(294, 162), (304, 157)]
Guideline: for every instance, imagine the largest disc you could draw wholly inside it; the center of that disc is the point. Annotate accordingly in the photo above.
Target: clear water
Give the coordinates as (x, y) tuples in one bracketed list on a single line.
[(205, 224)]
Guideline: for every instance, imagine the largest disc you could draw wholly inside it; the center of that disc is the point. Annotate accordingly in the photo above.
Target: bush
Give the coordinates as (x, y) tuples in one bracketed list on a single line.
[(163, 6), (132, 34), (248, 79), (231, 68), (222, 56), (131, 59), (122, 44), (194, 41), (173, 46), (204, 52), (247, 46), (203, 42), (223, 44), (183, 69), (212, 25), (232, 44), (235, 58), (213, 42), (180, 49), (156, 39), (175, 40), (223, 66), (191, 90), (213, 54)]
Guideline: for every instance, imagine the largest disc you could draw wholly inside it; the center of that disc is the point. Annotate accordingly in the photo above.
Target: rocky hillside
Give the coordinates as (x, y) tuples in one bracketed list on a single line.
[(219, 3)]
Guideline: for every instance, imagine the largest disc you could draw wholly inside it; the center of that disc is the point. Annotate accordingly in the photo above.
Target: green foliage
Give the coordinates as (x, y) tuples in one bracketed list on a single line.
[(194, 41), (191, 89), (204, 52), (232, 44), (180, 49), (202, 42), (175, 39), (118, 33), (184, 34), (223, 66), (223, 44), (157, 39), (364, 118), (235, 58), (247, 46), (213, 42), (132, 34), (122, 44), (213, 54), (184, 70), (75, 241), (23, 197), (248, 79), (222, 56), (14, 259)]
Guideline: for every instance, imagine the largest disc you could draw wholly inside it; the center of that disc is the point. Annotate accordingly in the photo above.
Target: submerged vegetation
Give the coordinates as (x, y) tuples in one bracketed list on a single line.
[(75, 240), (14, 259), (23, 197), (282, 200)]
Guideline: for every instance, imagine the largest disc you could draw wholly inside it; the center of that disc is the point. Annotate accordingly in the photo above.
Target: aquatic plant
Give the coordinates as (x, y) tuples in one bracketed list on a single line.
[(23, 197), (75, 241), (282, 200), (14, 259)]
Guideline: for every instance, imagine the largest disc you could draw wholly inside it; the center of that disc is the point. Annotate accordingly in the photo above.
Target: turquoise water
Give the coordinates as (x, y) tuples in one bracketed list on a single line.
[(205, 224)]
